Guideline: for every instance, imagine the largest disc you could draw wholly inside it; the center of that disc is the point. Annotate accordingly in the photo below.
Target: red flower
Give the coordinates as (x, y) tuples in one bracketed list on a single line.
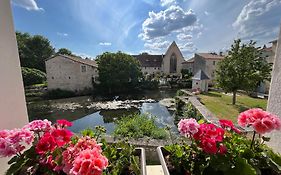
[(64, 123), (209, 146), (45, 144), (228, 124), (222, 149), (61, 136)]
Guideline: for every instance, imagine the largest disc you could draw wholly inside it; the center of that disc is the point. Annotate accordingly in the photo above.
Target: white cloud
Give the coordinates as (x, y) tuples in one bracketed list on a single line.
[(168, 2), (165, 22), (259, 18), (157, 45), (206, 13), (105, 44), (28, 4), (62, 34), (184, 37)]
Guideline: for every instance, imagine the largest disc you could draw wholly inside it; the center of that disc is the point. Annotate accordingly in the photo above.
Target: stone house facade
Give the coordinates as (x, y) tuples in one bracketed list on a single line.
[(70, 73), (170, 63), (207, 62), (188, 65)]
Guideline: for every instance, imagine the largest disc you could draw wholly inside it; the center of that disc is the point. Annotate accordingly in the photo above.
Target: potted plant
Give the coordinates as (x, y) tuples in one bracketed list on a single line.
[(223, 149), (41, 147)]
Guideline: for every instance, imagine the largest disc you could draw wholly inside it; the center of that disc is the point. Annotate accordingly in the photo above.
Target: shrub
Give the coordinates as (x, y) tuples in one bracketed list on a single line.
[(138, 126), (59, 93), (149, 84), (32, 76)]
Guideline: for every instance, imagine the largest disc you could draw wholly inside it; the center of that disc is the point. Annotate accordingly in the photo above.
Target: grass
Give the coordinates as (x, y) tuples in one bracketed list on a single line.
[(221, 104)]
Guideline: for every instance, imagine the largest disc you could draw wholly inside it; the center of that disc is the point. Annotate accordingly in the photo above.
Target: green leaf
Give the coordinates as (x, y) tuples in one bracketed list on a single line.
[(241, 167)]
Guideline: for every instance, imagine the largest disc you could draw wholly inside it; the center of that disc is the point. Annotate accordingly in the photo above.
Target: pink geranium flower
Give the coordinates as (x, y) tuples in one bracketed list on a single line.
[(39, 125), (61, 136), (188, 127), (228, 124), (260, 120)]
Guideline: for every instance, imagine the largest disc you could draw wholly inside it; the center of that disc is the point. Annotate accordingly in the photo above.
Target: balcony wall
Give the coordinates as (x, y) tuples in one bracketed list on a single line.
[(13, 113)]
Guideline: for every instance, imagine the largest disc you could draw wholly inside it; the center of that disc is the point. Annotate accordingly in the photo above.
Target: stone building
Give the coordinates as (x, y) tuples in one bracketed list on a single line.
[(188, 65), (70, 73), (207, 62), (268, 54), (170, 63)]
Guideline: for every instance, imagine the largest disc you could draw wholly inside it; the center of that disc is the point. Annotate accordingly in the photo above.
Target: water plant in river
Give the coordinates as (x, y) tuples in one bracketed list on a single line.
[(139, 126)]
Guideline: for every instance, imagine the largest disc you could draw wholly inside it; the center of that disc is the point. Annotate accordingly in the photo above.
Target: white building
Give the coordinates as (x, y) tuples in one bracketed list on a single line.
[(170, 63), (70, 73)]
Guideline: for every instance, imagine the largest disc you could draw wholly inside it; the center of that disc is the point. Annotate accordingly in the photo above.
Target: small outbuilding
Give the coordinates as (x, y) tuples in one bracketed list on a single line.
[(200, 81)]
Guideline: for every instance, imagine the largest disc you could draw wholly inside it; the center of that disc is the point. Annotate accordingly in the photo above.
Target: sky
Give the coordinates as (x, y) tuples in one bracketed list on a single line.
[(90, 27)]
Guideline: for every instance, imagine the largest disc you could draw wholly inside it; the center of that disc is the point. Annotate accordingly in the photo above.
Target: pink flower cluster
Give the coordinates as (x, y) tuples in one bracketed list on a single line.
[(14, 141), (84, 158), (39, 125), (260, 120), (188, 127)]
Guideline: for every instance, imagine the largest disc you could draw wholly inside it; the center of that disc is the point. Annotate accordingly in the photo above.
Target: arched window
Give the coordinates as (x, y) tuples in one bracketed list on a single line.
[(173, 63)]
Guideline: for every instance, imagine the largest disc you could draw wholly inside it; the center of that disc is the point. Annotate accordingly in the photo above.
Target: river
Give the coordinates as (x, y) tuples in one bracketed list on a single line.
[(84, 111)]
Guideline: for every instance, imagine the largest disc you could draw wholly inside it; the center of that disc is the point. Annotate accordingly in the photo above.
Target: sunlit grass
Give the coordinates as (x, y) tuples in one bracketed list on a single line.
[(221, 104)]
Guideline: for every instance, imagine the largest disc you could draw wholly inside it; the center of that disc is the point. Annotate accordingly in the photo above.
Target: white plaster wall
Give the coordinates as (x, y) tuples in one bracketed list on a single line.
[(166, 60), (13, 112), (274, 101), (150, 70), (66, 74)]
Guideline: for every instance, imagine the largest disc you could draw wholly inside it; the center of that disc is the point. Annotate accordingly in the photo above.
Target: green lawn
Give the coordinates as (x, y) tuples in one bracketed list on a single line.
[(221, 104)]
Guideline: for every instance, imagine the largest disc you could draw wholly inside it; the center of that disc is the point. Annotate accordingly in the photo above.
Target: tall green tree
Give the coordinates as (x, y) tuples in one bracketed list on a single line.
[(64, 51), (242, 69), (118, 72), (33, 50)]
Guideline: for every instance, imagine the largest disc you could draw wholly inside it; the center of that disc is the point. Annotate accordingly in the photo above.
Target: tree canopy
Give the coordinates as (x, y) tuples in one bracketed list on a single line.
[(242, 68), (33, 50), (64, 51), (118, 72)]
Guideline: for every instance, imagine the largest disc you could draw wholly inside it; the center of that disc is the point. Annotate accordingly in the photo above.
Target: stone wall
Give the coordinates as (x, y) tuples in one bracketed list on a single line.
[(66, 74), (274, 101)]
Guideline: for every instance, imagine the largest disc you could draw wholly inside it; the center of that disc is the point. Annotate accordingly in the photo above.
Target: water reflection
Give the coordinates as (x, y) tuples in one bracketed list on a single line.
[(106, 118)]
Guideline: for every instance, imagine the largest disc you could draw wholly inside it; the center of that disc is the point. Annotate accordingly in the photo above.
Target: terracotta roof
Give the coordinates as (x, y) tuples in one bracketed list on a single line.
[(200, 75), (147, 60), (191, 60), (274, 41), (78, 59), (210, 56), (267, 49)]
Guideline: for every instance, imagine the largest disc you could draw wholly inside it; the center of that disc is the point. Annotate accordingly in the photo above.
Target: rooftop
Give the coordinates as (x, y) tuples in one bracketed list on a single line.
[(211, 56), (200, 75), (78, 59), (147, 60)]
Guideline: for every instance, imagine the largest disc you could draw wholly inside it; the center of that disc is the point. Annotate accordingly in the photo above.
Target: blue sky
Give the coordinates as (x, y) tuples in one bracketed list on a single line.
[(91, 27)]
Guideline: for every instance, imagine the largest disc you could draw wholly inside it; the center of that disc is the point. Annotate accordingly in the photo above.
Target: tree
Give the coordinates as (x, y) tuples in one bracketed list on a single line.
[(33, 50), (64, 51), (32, 76), (242, 69), (118, 72)]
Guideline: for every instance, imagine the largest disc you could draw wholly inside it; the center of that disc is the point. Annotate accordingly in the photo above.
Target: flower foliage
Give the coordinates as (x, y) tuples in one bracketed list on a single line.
[(223, 149), (53, 149)]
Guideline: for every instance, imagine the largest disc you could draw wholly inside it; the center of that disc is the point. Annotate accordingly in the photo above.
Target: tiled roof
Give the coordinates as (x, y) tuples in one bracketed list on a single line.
[(147, 60), (200, 75), (78, 59), (210, 56), (267, 49), (191, 60)]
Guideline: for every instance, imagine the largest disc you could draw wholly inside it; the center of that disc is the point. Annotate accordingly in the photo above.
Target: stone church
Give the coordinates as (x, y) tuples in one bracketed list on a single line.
[(170, 63)]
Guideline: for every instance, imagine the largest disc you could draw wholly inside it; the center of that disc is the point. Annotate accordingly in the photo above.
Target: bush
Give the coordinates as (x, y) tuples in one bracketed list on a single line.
[(32, 76), (59, 93), (149, 84), (138, 126)]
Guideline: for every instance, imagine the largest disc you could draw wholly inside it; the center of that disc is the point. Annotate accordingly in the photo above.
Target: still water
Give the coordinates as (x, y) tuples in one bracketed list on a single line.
[(75, 110)]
